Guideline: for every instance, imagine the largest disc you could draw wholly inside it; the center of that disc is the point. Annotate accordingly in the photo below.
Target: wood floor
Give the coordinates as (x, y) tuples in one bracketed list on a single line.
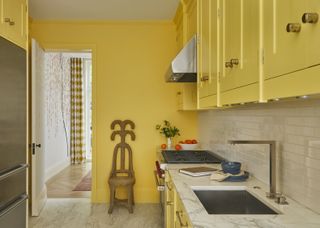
[(61, 185)]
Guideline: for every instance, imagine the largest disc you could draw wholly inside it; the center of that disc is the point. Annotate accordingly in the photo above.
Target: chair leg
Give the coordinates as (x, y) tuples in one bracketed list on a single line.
[(132, 195), (112, 196), (130, 199)]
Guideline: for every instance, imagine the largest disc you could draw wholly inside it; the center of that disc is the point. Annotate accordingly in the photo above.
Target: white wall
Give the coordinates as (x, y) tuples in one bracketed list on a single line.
[(296, 128), (57, 80)]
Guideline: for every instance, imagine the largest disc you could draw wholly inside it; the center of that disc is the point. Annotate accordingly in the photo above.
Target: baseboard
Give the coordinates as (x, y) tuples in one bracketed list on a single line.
[(54, 170), (39, 203)]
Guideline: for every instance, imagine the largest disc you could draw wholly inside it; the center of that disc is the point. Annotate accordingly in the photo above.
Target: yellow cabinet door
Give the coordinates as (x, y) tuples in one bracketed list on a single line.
[(203, 47), (214, 46), (241, 44), (284, 45), (311, 26), (14, 17), (209, 26), (191, 19), (182, 219), (169, 202), (2, 23)]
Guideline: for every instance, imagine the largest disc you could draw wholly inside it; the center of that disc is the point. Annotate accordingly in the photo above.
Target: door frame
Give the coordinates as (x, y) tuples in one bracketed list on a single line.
[(79, 47)]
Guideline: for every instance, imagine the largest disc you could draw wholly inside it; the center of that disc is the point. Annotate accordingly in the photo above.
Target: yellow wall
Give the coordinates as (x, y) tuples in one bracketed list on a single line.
[(130, 60)]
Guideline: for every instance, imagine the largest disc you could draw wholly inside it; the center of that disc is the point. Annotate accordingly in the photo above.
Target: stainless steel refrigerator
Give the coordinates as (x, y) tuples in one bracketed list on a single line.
[(13, 135)]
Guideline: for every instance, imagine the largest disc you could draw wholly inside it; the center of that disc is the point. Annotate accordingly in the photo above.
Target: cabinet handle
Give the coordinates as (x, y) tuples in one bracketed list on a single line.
[(228, 65), (169, 187), (311, 18), (294, 27), (234, 62), (169, 203), (8, 20), (178, 213), (204, 78)]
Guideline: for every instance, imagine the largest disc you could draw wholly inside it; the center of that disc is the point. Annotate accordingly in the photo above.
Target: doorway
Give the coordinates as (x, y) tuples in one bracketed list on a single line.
[(64, 173), (74, 180)]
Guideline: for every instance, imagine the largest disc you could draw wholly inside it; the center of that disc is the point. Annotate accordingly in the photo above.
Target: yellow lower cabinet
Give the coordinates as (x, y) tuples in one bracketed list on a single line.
[(169, 202), (182, 219)]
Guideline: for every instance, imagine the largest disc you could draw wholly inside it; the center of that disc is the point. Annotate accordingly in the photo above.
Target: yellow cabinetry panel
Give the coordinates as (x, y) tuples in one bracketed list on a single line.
[(208, 102), (182, 219), (191, 14), (209, 42), (187, 97), (203, 47), (298, 83), (14, 21), (284, 51), (291, 59), (178, 20), (241, 45), (169, 202), (313, 34)]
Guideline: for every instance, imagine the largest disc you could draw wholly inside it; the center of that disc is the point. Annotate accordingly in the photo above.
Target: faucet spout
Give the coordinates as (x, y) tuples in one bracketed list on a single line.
[(272, 161)]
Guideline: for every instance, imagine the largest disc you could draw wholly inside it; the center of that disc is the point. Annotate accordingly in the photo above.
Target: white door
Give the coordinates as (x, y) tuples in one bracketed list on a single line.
[(39, 190)]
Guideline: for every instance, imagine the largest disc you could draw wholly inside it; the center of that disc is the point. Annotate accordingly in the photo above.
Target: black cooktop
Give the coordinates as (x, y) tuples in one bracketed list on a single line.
[(190, 156)]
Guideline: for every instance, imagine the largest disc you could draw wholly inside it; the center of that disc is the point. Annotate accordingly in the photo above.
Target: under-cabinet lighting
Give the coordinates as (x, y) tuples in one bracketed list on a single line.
[(303, 97)]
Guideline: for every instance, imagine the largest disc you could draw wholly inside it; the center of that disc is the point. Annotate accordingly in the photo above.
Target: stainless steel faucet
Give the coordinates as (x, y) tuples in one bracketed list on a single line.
[(272, 163)]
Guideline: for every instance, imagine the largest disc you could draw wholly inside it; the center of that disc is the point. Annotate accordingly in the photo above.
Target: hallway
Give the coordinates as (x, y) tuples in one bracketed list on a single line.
[(63, 184)]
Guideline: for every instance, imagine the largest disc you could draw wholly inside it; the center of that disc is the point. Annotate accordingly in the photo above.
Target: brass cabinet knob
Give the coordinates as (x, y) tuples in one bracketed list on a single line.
[(294, 27), (228, 65), (204, 78), (8, 20), (311, 18), (234, 61)]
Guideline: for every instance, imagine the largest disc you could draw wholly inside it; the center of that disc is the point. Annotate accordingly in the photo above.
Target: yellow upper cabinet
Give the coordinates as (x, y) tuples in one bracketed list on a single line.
[(241, 45), (14, 21), (209, 43), (285, 42), (191, 18), (186, 27), (291, 48), (178, 20), (311, 25)]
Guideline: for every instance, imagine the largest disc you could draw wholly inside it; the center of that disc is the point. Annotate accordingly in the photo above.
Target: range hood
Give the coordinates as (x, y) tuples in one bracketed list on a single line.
[(184, 66)]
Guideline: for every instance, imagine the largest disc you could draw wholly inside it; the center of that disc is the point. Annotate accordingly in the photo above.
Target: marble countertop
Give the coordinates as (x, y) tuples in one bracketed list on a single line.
[(292, 215)]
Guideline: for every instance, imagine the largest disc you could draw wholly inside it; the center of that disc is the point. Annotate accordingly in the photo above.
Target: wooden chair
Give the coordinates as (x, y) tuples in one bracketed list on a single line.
[(122, 176)]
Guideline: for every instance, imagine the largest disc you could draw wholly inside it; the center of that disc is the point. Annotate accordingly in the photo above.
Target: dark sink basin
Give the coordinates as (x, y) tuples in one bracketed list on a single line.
[(231, 202)]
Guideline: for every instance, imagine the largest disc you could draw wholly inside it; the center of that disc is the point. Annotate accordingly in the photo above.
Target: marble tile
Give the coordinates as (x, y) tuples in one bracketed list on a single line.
[(294, 125), (293, 215), (78, 213)]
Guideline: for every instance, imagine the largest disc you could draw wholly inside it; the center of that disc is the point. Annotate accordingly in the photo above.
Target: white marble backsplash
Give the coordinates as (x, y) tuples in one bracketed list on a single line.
[(295, 125)]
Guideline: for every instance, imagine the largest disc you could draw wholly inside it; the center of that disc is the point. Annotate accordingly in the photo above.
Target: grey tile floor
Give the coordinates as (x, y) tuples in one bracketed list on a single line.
[(78, 213)]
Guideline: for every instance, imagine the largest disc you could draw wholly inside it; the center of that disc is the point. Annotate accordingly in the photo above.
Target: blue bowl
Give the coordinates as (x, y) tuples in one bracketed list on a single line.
[(231, 167)]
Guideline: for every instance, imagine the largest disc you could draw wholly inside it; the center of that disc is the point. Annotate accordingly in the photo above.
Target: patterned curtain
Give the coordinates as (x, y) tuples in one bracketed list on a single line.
[(77, 145)]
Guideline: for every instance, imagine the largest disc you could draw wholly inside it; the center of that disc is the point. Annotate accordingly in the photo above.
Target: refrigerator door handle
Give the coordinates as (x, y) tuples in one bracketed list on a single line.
[(15, 204), (7, 173)]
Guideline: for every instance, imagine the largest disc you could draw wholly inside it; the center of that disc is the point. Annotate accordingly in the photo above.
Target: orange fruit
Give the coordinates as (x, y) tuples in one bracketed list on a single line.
[(178, 147), (163, 146)]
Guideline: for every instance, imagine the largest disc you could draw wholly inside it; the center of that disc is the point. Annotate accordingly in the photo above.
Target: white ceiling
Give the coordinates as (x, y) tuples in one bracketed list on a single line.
[(102, 9)]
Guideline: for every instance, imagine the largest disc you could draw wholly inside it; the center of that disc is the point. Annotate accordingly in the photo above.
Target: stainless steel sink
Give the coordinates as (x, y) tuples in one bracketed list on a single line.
[(231, 202)]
